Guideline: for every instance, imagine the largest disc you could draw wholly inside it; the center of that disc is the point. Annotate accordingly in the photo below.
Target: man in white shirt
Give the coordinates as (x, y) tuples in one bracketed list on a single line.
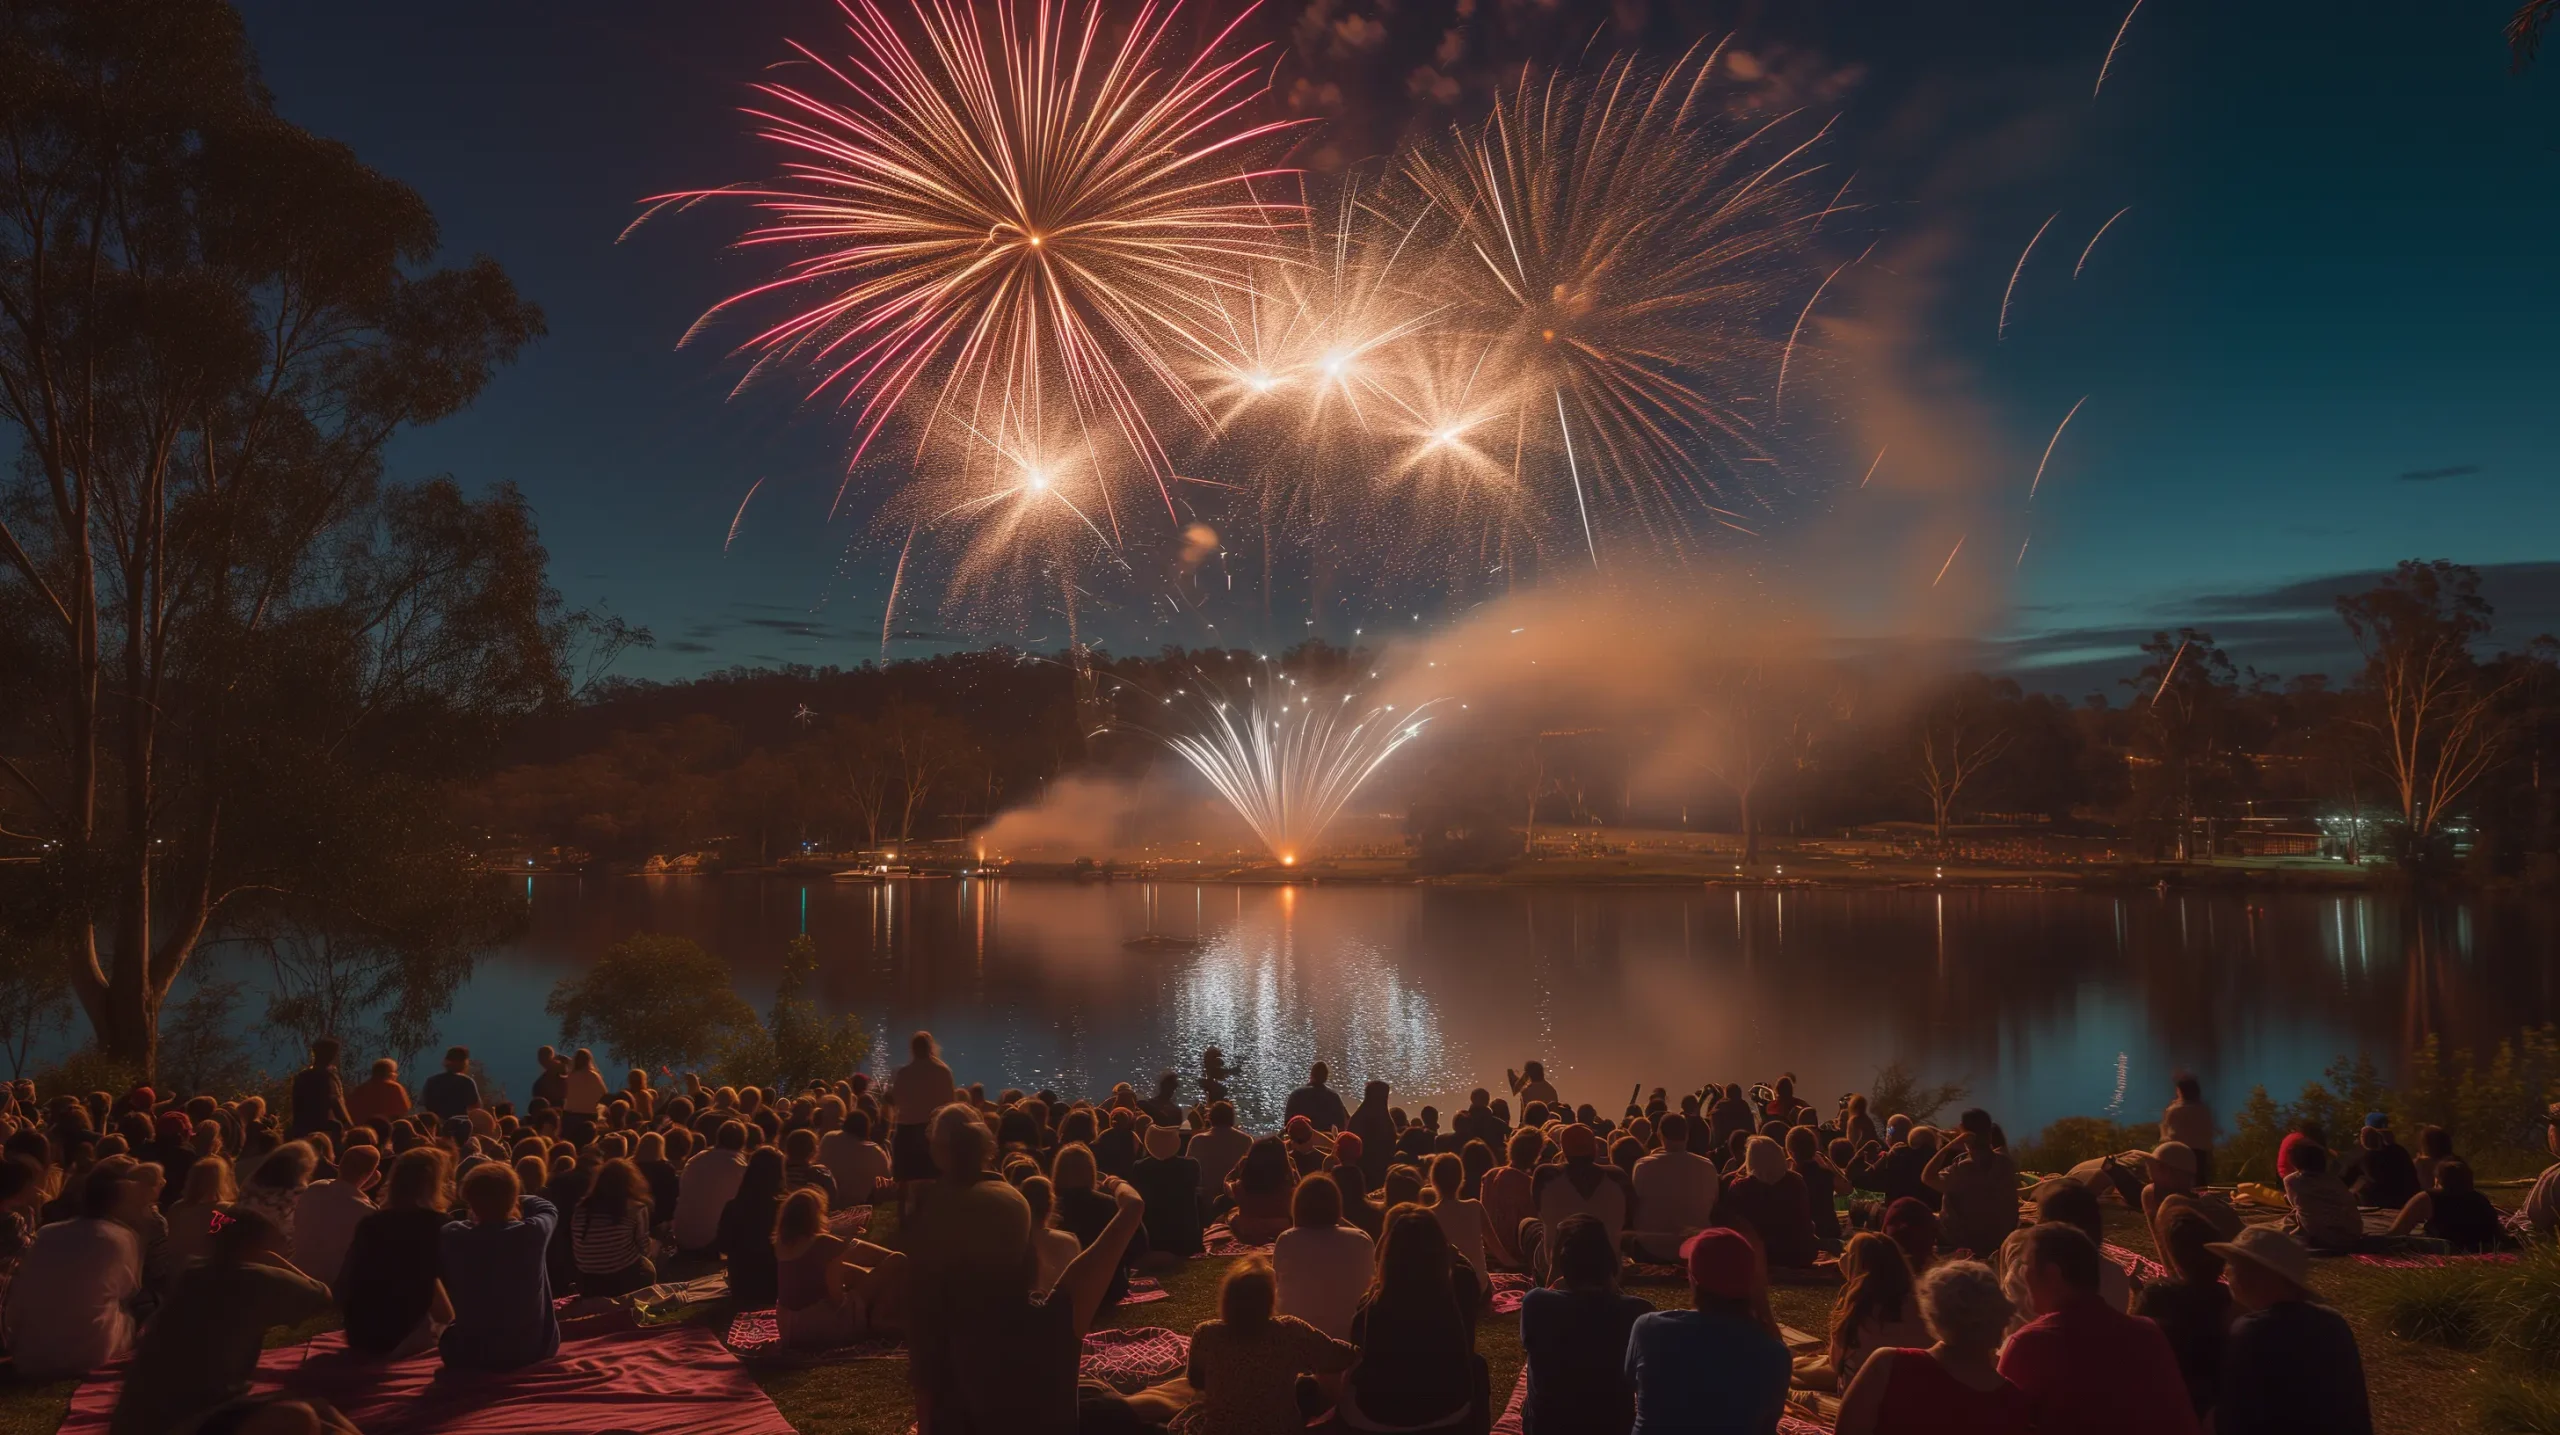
[(69, 1302), (326, 1213), (1675, 1193), (855, 1160), (1321, 1267), (704, 1188), (1218, 1149)]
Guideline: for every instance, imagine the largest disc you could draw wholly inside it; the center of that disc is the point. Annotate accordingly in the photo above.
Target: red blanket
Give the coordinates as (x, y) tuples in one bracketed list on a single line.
[(673, 1379)]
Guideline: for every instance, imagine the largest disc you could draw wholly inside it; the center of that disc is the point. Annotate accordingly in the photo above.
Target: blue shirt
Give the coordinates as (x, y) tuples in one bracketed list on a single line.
[(449, 1094), (1706, 1373), (500, 1285)]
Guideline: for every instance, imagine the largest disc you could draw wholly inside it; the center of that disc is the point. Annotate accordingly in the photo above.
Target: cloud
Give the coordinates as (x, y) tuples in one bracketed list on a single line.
[(2430, 475), (681, 646)]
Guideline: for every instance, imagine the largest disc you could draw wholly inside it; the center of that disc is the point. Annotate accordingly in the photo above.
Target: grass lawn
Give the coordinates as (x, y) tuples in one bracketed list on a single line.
[(2418, 1389)]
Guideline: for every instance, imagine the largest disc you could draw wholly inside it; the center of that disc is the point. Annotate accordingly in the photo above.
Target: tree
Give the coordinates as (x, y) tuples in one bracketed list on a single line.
[(233, 643), (800, 1043), (2434, 716), (1959, 736), (653, 1001), (2187, 764), (35, 994), (1748, 731), (2525, 27)]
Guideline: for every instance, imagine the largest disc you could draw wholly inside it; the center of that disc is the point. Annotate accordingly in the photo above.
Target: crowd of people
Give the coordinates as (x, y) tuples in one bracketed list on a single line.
[(174, 1233)]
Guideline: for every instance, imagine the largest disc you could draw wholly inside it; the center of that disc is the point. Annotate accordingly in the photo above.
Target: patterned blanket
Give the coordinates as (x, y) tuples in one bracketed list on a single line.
[(1217, 1240)]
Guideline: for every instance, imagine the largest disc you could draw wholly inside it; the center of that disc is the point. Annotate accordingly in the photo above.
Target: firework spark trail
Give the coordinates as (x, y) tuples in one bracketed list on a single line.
[(2022, 550), (2092, 247), (741, 515), (2109, 63), (889, 614), (2048, 448), (1951, 560), (1871, 468), (1778, 405), (1286, 761), (1009, 207), (2023, 255), (2174, 660), (1576, 468)]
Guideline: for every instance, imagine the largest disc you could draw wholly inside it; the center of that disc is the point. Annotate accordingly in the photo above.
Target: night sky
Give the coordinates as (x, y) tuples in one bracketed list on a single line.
[(2321, 341)]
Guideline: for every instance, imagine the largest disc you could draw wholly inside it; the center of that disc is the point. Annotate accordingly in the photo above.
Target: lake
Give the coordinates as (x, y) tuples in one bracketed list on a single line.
[(2043, 1004)]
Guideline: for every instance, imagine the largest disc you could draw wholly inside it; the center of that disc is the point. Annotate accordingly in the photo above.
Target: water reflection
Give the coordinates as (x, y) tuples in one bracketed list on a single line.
[(2046, 1004)]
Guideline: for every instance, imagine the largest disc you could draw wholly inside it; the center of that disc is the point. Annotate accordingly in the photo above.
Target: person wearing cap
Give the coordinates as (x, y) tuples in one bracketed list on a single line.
[(2171, 1169), (1719, 1367), (326, 1213), (2087, 1367), (2291, 1364), (1170, 1182), (2542, 1204), (2381, 1171)]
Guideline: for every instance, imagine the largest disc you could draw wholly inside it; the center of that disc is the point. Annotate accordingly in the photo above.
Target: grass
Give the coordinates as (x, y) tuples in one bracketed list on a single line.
[(2424, 1334)]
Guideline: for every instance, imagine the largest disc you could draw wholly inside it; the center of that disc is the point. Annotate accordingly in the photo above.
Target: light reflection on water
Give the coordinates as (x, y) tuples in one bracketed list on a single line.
[(2044, 1004)]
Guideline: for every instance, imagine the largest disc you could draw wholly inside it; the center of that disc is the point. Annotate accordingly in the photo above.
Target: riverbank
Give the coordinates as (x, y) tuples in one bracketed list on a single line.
[(1788, 869)]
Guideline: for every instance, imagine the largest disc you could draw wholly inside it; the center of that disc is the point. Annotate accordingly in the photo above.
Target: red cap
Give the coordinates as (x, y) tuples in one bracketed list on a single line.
[(1722, 1263), (1346, 1147), (174, 1126), (1301, 1129)]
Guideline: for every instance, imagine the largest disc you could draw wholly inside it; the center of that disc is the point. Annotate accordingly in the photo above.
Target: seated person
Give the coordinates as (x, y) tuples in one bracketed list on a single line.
[(395, 1306), (2171, 1170), (1170, 1183), (1417, 1369), (2084, 1364), (2454, 1212), (2291, 1362), (1245, 1364), (1954, 1384), (1878, 1309), (1676, 1191), (1718, 1366), (2541, 1210), (2381, 1171), (69, 1304), (1260, 1193), (1573, 1337), (1320, 1266), (2192, 1307), (494, 1269), (202, 1345), (1769, 1200), (832, 1290), (2324, 1210)]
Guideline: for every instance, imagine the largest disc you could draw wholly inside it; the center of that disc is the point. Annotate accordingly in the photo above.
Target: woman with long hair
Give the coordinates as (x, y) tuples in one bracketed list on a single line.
[(609, 1232), (1084, 1210), (191, 1218), (1573, 1338), (1509, 1193), (831, 1290), (1417, 1367), (746, 1230), (389, 1286), (1461, 1220), (1954, 1384), (1877, 1309), (1261, 1187)]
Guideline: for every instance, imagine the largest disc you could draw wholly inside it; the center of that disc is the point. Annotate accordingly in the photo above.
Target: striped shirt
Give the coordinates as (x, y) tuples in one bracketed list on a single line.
[(603, 1245)]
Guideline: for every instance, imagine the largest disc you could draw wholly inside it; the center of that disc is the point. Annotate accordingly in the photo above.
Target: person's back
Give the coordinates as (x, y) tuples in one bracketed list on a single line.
[(1245, 1364), (2292, 1369), (1980, 1186), (1318, 1102), (68, 1301), (201, 1348), (1706, 1373), (387, 1284), (495, 1271), (2325, 1214), (921, 1087), (450, 1093), (325, 1217), (1322, 1272), (1217, 1149), (1676, 1191), (1170, 1182), (2386, 1175), (704, 1189), (1580, 1188), (1573, 1343), (379, 1097), (2090, 1368), (858, 1163)]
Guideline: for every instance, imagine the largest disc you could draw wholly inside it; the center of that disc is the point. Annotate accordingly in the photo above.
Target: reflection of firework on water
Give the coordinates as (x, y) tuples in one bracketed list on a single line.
[(1284, 756), (1002, 207), (1620, 251)]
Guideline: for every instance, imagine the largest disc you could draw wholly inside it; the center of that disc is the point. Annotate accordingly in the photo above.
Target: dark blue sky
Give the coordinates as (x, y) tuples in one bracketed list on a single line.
[(2339, 270)]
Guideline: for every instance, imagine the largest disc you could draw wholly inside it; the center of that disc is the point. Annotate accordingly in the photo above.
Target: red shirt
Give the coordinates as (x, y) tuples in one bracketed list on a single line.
[(2092, 1370), (1921, 1398)]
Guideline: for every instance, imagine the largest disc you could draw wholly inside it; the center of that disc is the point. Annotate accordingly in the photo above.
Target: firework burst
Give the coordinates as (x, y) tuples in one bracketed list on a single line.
[(1009, 207), (1284, 755), (1618, 253)]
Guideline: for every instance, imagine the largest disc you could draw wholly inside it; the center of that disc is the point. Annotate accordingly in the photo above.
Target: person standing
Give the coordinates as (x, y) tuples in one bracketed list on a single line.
[(2291, 1364), (379, 1097), (2189, 1122), (916, 1091), (319, 1097), (1319, 1103), (1530, 1083), (451, 1094)]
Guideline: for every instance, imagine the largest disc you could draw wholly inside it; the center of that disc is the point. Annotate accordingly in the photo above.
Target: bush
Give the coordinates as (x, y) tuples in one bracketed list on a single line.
[(652, 1001), (1896, 1092), (2074, 1139), (2518, 1404), (84, 1071), (2452, 1306)]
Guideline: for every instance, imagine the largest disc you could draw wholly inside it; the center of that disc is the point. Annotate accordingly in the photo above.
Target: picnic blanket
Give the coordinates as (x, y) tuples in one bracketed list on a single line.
[(2137, 1265), (1217, 1240), (1509, 1289), (1144, 1289), (672, 1379), (1127, 1360), (2420, 1262)]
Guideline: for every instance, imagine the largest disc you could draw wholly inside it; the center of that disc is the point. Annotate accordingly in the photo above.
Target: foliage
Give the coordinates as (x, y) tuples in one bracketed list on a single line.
[(2434, 714), (87, 1070), (2452, 1306), (245, 668), (2513, 1403), (2074, 1139), (2492, 1106), (2508, 1313), (652, 1001), (200, 1046), (2337, 1102), (1896, 1092), (35, 993), (800, 1043)]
